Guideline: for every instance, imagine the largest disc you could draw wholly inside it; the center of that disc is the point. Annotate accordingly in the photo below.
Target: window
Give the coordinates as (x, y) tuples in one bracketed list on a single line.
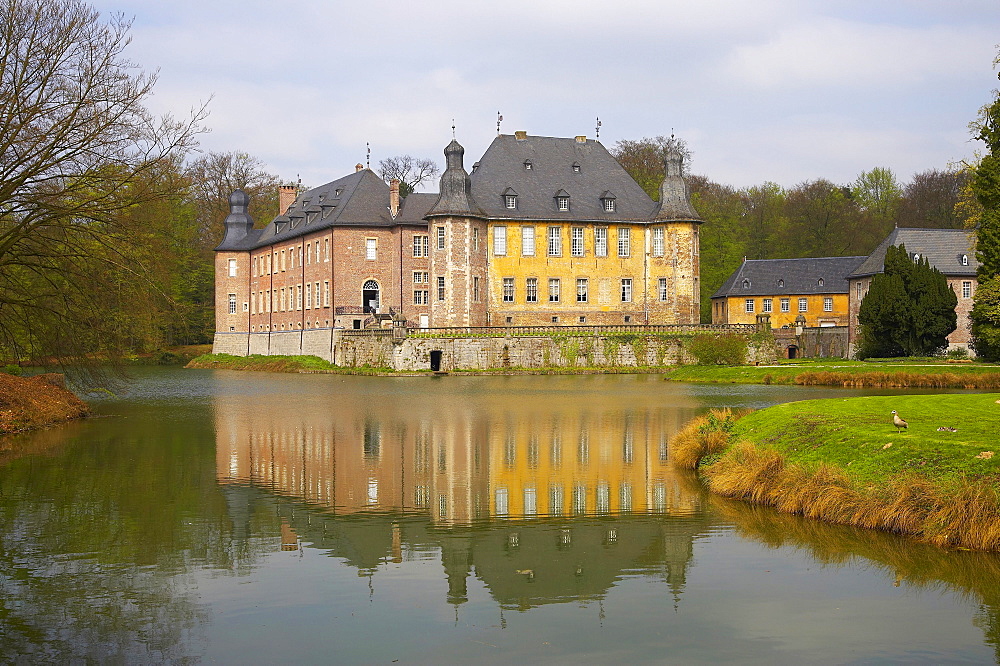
[(508, 290), (326, 294), (371, 249), (419, 277), (657, 241), (916, 258), (786, 305), (553, 290), (326, 249), (510, 201), (232, 268), (967, 289), (766, 305), (857, 289), (309, 252), (440, 282), (803, 305), (562, 203), (746, 284), (820, 282), (420, 246), (555, 242), (609, 205), (581, 290), (626, 290), (749, 305), (440, 238), (309, 296), (527, 241), (282, 301), (232, 303), (828, 304), (576, 167), (965, 260), (576, 241), (601, 241), (475, 289), (624, 241), (527, 165), (531, 290), (662, 288), (419, 297), (499, 241), (475, 239)]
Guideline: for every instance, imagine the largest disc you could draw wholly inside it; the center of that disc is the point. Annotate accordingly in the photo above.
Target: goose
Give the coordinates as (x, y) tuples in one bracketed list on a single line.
[(898, 422)]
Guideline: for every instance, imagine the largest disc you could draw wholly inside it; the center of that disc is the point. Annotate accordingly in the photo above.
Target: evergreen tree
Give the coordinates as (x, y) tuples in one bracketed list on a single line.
[(909, 309), (986, 186)]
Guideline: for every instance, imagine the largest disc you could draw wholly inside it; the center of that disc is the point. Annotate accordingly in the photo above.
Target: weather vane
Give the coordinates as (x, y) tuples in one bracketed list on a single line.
[(368, 157), (499, 120), (597, 130), (452, 128)]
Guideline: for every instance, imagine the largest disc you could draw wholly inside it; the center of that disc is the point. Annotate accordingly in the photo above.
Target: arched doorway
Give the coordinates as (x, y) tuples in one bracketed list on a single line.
[(369, 296)]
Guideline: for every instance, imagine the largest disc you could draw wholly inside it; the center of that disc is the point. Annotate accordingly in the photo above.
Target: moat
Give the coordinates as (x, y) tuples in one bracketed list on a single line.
[(243, 517)]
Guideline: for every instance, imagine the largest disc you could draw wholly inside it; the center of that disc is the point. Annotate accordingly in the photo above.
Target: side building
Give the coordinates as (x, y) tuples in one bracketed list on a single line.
[(542, 231), (948, 250), (811, 292)]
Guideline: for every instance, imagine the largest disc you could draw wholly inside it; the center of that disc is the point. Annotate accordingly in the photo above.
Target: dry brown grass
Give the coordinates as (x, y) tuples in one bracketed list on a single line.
[(33, 402), (702, 437), (900, 379)]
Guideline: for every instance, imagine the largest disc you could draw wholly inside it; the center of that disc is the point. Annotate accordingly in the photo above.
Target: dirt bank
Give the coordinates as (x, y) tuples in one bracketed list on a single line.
[(34, 402)]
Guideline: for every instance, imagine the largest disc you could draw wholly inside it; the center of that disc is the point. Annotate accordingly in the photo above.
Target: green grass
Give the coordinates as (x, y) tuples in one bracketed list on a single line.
[(279, 364), (857, 435), (788, 372)]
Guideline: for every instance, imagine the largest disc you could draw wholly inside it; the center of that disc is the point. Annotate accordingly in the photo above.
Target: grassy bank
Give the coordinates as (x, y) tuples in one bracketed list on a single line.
[(836, 372), (301, 364), (27, 403), (842, 461)]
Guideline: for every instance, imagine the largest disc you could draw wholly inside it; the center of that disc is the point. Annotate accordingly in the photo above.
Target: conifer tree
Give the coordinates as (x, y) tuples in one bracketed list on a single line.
[(909, 309)]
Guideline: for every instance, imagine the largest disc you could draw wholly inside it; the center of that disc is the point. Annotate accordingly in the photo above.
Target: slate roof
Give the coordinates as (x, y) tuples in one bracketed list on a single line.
[(552, 160), (775, 277), (942, 247), (415, 207)]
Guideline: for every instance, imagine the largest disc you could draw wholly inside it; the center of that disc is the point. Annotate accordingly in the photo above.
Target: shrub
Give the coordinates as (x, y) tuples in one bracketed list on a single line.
[(719, 350), (11, 369)]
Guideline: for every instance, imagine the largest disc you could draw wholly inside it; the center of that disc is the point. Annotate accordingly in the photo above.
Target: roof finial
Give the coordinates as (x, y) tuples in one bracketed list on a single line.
[(597, 130), (499, 120), (452, 128), (368, 157)]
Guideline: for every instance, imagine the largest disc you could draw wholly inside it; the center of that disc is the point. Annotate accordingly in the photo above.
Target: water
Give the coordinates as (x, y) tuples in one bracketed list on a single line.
[(257, 518)]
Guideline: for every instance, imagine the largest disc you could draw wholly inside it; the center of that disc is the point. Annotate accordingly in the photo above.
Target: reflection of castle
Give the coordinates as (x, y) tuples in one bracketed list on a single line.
[(579, 491)]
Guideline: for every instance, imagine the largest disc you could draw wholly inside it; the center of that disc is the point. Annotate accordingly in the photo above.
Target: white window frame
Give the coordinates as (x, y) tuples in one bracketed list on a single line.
[(371, 249), (440, 238), (440, 287), (582, 289), (662, 288), (232, 303), (626, 290), (967, 289), (555, 287), (803, 305), (624, 242), (527, 241), (609, 205), (748, 305), (420, 297), (786, 305), (766, 305), (232, 268), (827, 304), (510, 201), (326, 293), (531, 290), (554, 235), (499, 241), (657, 241), (562, 203), (420, 246), (508, 290), (601, 241), (576, 241)]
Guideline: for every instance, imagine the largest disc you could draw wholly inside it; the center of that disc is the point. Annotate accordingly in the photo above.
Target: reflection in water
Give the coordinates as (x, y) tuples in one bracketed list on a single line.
[(193, 517)]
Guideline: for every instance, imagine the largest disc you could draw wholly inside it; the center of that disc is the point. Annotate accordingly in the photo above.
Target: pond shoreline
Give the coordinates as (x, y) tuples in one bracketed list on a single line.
[(29, 403), (842, 461)]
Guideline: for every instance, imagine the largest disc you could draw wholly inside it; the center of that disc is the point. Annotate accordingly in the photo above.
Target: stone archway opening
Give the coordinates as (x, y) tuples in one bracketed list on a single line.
[(370, 296)]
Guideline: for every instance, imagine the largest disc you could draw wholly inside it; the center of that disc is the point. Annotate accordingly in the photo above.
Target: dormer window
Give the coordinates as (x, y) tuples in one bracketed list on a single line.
[(576, 167), (527, 165), (746, 284), (338, 192), (608, 202), (562, 200), (916, 258), (781, 283), (820, 282), (310, 217), (965, 260), (510, 199)]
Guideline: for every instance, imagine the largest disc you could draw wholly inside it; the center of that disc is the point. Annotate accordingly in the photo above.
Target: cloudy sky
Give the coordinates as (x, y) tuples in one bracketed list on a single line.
[(779, 90)]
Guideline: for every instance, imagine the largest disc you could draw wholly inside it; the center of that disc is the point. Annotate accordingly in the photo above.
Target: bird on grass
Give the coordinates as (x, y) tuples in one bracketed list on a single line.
[(898, 422)]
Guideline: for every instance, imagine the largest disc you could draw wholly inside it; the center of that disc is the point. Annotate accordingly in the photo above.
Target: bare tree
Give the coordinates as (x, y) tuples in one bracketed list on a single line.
[(79, 152), (214, 176), (410, 171), (643, 160)]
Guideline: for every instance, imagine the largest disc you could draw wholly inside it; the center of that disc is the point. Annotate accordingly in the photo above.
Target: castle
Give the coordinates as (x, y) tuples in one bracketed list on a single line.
[(543, 231)]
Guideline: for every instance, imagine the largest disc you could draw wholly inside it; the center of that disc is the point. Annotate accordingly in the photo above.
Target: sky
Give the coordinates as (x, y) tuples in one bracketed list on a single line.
[(761, 90)]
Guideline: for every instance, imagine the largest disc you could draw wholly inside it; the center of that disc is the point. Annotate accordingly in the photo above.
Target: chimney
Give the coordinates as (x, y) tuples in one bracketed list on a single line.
[(581, 139), (520, 135), (394, 196), (286, 197), (358, 167)]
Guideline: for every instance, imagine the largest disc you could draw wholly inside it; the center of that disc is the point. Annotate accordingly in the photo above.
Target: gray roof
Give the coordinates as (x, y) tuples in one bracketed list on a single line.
[(767, 277), (503, 168), (415, 208), (238, 223), (456, 189), (943, 249)]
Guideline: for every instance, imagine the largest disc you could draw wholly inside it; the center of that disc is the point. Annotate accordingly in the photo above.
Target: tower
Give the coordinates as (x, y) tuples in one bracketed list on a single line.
[(232, 279), (681, 222)]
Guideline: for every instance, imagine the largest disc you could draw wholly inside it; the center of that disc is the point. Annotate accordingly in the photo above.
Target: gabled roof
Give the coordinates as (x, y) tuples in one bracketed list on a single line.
[(415, 207), (942, 247), (776, 277), (552, 160)]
